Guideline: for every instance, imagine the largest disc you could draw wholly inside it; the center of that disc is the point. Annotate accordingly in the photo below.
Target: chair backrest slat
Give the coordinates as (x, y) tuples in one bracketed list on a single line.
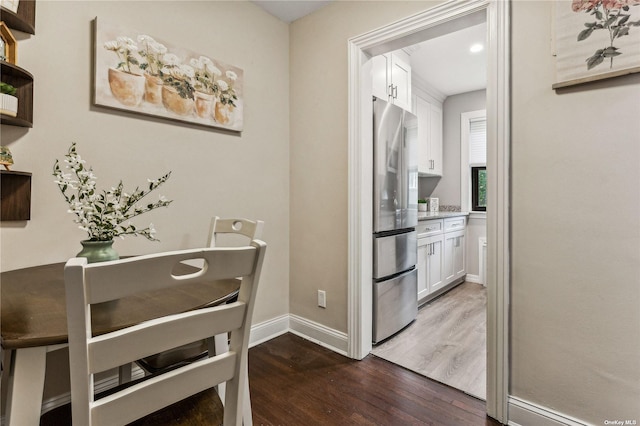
[(151, 395), (88, 284), (158, 269), (148, 338), (249, 229)]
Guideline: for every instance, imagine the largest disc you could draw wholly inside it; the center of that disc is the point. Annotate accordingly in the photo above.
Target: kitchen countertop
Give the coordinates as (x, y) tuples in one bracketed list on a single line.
[(439, 215)]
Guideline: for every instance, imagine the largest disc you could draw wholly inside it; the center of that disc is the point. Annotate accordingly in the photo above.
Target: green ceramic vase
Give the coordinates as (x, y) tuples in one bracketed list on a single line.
[(98, 251)]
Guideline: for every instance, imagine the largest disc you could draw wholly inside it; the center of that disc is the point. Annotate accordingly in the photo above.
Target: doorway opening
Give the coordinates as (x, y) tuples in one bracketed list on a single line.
[(438, 20), (447, 340)]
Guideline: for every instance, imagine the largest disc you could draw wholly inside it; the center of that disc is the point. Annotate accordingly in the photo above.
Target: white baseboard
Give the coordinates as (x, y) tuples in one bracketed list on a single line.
[(473, 278), (99, 386), (525, 413), (268, 330), (322, 335)]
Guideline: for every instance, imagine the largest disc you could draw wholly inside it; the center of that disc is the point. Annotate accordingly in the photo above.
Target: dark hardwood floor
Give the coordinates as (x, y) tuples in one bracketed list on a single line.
[(296, 382)]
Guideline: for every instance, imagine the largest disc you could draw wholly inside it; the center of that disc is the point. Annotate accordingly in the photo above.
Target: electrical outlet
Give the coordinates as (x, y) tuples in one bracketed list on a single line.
[(322, 298)]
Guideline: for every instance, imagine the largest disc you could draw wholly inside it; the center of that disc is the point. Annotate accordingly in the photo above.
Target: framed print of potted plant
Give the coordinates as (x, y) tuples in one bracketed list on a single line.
[(596, 39), (138, 72)]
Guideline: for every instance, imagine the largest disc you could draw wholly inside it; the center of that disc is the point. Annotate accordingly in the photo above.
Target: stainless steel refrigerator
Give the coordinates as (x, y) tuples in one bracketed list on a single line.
[(395, 215)]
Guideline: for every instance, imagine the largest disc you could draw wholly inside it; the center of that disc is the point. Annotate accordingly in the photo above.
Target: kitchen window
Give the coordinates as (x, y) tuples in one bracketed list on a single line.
[(473, 157), (479, 189)]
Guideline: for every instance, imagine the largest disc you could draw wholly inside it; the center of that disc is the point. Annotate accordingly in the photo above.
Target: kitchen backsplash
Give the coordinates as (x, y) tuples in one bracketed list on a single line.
[(446, 208)]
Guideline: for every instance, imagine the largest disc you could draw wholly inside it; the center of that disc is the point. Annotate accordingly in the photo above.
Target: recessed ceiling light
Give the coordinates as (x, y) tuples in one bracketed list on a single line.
[(475, 48)]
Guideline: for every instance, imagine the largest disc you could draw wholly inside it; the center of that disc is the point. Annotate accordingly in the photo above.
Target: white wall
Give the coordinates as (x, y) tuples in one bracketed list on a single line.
[(575, 229), (214, 172), (448, 186)]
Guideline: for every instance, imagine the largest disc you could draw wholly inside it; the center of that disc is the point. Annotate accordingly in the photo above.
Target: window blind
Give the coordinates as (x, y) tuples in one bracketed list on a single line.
[(478, 142)]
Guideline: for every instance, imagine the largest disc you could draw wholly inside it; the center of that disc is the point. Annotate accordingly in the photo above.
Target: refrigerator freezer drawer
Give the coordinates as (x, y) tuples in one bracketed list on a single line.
[(394, 253), (395, 304)]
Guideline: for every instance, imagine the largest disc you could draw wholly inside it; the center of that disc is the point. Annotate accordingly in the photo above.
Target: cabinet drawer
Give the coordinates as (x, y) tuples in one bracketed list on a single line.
[(454, 223), (429, 227)]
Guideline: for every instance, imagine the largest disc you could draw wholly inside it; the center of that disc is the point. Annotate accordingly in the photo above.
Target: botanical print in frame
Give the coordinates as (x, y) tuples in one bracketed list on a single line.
[(596, 39), (140, 73)]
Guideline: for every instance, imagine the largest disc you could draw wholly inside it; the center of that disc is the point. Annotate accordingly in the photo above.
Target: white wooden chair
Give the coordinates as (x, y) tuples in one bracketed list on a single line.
[(222, 232), (88, 284)]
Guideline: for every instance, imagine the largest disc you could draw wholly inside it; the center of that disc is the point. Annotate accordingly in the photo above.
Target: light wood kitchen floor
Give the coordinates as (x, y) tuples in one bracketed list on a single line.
[(447, 341)]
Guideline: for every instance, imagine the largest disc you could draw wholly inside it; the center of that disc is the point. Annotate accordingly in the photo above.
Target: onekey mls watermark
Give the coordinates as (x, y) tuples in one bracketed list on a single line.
[(621, 422)]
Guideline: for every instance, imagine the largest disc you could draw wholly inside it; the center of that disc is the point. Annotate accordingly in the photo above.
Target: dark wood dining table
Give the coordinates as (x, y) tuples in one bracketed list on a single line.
[(34, 322)]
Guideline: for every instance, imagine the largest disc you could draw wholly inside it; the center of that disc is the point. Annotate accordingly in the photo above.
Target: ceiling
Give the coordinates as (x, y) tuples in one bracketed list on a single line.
[(444, 62), (289, 11)]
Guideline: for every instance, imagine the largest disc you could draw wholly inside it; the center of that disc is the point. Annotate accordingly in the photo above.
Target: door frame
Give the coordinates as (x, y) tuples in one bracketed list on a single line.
[(360, 172)]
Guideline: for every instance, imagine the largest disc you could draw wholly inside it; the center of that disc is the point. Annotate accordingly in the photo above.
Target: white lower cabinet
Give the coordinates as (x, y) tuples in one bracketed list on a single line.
[(454, 255), (423, 254), (441, 254), (430, 265)]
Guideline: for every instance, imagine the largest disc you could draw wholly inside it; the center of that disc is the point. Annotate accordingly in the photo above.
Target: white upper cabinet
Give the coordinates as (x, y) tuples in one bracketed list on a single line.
[(429, 138), (435, 139), (392, 78)]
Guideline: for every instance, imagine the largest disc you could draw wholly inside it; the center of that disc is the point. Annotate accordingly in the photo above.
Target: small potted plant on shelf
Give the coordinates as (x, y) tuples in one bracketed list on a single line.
[(422, 205), (8, 100)]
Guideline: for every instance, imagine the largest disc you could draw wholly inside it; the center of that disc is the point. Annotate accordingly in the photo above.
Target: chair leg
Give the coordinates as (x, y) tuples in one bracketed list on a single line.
[(221, 345), (247, 416)]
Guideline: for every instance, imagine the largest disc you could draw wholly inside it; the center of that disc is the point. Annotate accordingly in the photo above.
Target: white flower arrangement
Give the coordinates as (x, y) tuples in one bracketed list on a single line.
[(106, 214)]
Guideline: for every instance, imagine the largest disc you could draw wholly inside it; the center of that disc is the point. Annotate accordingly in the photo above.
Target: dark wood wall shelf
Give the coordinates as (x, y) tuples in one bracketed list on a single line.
[(15, 195), (24, 19), (22, 80)]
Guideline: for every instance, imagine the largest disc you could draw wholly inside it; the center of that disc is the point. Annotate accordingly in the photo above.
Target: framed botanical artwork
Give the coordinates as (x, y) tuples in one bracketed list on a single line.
[(143, 74), (8, 44), (596, 39)]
